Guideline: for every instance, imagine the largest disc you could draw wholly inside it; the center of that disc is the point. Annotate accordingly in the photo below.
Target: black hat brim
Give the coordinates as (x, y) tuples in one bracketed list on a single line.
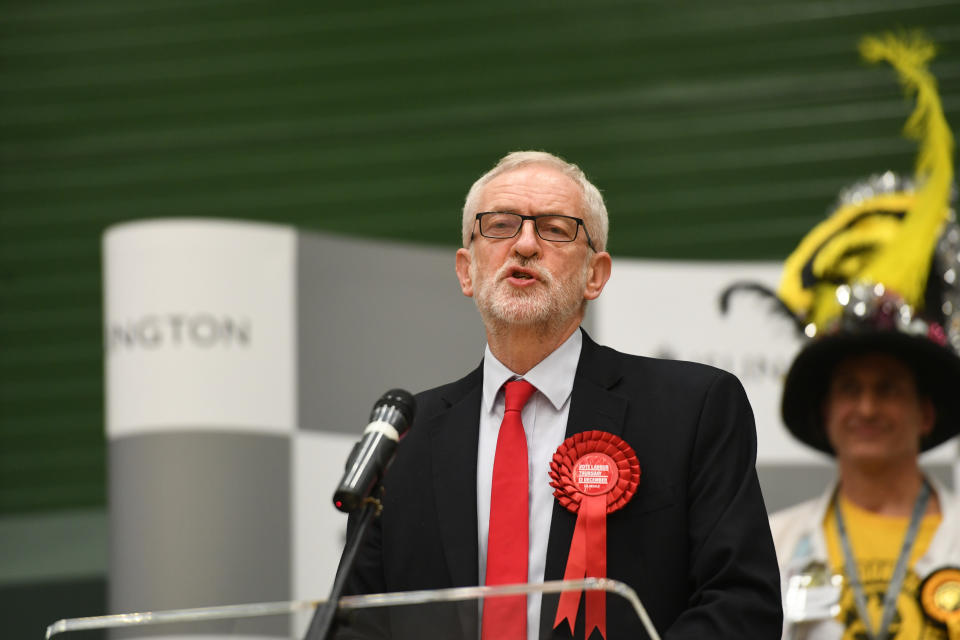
[(937, 369)]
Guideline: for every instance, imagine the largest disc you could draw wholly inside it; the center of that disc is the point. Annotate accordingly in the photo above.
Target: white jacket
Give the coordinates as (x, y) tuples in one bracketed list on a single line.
[(799, 539)]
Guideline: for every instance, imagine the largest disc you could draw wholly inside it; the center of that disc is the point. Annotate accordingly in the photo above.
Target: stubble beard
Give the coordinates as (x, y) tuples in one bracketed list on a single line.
[(548, 304)]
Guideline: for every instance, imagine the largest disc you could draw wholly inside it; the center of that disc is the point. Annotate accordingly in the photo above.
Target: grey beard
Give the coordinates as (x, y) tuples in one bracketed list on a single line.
[(501, 309)]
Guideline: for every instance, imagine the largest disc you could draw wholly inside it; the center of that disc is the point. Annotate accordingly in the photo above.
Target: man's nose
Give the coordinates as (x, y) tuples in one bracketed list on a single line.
[(867, 403), (527, 242)]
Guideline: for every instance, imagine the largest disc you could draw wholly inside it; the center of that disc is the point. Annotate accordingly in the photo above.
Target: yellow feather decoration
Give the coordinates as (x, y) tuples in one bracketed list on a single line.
[(902, 266), (889, 237)]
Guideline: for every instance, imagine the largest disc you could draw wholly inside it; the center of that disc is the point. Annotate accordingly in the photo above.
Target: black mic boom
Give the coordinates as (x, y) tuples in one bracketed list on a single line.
[(391, 416)]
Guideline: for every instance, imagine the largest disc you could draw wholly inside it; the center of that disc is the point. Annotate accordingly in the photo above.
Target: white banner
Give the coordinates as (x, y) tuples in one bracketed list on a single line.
[(199, 326), (671, 310)]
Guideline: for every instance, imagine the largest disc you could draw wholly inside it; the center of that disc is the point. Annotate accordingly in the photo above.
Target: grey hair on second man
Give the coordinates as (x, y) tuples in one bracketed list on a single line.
[(594, 213)]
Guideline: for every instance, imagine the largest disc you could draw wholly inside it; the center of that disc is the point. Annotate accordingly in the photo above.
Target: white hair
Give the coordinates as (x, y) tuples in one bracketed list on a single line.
[(594, 210)]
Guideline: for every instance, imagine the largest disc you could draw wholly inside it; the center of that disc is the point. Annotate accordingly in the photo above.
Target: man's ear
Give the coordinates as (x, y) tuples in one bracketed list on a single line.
[(597, 274), (463, 272)]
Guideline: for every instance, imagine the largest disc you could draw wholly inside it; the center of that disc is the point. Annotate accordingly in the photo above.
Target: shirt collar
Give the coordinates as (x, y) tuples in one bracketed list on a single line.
[(553, 376)]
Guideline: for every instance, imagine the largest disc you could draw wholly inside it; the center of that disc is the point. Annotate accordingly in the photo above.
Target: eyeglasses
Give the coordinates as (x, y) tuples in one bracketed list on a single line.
[(501, 225)]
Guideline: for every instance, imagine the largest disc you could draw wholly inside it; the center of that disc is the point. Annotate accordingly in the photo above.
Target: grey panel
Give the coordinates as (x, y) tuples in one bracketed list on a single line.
[(199, 519), (374, 316), (787, 484), (53, 547)]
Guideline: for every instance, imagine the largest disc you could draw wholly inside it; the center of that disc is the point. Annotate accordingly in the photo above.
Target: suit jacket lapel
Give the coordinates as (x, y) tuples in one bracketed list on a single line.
[(593, 406), (454, 441)]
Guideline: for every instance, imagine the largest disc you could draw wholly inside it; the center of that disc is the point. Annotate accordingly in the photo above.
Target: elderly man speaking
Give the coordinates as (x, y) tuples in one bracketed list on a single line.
[(662, 453)]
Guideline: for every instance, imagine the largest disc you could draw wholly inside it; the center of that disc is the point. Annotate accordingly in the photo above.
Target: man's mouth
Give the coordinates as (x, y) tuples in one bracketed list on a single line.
[(520, 273)]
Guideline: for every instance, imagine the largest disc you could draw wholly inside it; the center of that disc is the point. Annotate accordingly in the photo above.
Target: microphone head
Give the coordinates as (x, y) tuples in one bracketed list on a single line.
[(402, 401)]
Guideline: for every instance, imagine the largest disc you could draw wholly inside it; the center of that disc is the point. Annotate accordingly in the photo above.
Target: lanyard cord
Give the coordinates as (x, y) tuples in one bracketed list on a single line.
[(899, 572)]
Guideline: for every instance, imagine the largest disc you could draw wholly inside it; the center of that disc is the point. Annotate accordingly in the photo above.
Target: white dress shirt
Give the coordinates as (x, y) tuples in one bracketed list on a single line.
[(544, 423)]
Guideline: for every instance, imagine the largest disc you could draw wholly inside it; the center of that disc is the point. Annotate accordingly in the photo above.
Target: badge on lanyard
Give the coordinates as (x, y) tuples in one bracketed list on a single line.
[(812, 594)]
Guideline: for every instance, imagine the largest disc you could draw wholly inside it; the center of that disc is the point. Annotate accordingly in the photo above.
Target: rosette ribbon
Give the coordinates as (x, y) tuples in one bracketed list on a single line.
[(593, 473)]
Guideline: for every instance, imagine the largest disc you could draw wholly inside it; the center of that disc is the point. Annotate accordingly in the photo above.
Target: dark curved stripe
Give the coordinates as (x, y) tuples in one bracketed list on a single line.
[(807, 277)]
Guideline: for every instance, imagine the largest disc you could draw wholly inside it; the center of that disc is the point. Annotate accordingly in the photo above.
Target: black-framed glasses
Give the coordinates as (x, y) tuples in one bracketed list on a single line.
[(501, 225)]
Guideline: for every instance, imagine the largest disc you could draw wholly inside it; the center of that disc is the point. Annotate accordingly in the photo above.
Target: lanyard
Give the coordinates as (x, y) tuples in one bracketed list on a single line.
[(899, 571)]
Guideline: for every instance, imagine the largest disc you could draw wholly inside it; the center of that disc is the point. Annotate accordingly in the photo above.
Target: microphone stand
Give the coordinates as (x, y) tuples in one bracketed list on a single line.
[(323, 623)]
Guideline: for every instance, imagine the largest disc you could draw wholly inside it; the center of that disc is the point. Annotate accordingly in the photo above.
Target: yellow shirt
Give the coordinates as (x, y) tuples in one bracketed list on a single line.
[(876, 542)]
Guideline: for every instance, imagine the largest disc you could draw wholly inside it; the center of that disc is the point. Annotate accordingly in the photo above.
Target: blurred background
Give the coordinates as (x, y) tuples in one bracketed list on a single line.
[(717, 131)]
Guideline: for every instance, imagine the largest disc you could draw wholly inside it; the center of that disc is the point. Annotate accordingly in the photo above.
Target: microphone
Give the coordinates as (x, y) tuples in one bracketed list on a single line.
[(391, 416)]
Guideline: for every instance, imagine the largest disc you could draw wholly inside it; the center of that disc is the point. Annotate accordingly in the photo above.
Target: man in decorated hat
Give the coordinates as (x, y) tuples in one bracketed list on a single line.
[(558, 458), (876, 289)]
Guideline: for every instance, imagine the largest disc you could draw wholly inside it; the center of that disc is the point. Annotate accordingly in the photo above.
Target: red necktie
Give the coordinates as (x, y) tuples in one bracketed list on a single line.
[(505, 618)]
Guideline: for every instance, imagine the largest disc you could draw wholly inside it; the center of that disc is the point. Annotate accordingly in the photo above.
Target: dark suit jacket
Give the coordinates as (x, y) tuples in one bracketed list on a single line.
[(693, 542)]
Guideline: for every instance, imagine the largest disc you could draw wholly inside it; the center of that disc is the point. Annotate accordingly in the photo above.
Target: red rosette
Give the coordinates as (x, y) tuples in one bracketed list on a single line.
[(569, 493), (594, 473)]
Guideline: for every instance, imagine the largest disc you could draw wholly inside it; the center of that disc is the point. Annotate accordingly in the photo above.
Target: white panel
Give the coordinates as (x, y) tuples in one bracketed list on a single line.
[(199, 326), (671, 309), (319, 530)]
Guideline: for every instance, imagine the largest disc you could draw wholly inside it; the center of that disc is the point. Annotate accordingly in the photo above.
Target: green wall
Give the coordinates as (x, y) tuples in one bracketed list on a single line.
[(717, 130)]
